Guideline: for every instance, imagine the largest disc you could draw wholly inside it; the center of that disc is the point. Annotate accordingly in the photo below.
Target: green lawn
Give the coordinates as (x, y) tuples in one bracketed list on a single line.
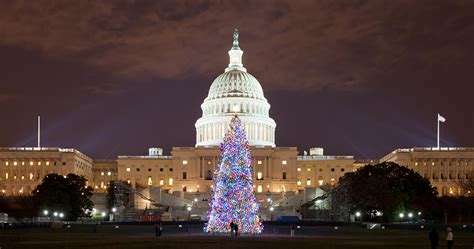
[(139, 236)]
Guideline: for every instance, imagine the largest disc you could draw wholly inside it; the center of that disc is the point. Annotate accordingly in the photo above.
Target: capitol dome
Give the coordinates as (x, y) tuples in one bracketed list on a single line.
[(235, 92)]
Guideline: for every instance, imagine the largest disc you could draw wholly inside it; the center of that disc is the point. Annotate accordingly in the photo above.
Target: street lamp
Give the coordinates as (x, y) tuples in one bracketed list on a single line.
[(45, 212), (55, 214), (410, 215), (357, 214), (271, 213), (114, 209), (401, 215), (103, 214), (61, 215), (189, 212)]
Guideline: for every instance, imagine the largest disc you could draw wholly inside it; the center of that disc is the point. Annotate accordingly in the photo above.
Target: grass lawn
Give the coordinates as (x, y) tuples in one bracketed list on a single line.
[(142, 236)]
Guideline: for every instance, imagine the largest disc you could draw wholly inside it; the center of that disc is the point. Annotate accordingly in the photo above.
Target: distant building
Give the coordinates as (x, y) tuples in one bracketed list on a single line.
[(22, 169), (444, 167)]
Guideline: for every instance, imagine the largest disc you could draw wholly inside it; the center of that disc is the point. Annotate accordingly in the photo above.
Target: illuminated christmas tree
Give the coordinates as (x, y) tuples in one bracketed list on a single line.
[(233, 197)]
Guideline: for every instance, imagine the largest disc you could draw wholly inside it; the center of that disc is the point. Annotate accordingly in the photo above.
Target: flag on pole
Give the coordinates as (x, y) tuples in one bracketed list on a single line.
[(441, 118)]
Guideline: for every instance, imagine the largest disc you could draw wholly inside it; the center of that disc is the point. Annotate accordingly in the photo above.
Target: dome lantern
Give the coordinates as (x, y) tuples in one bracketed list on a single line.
[(235, 55)]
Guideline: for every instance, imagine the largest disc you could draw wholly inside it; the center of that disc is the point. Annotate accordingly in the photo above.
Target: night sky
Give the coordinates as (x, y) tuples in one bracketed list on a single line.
[(358, 78)]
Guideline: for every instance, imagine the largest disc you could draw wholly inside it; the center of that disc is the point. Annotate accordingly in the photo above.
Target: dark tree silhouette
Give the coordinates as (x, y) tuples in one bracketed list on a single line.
[(69, 195), (386, 187)]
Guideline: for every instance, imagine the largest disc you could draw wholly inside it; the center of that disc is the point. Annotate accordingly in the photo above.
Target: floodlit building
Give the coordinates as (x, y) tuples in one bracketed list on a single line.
[(284, 178), (23, 168), (103, 171), (444, 167), (235, 92)]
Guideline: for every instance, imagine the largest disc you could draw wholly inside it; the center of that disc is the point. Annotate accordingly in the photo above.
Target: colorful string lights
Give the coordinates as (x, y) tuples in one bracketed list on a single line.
[(233, 197)]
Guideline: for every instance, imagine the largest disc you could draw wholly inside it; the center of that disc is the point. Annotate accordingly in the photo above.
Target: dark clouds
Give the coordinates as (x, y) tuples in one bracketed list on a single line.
[(406, 58)]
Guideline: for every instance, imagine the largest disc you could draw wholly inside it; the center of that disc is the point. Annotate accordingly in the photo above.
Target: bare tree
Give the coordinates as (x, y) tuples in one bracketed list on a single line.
[(468, 183)]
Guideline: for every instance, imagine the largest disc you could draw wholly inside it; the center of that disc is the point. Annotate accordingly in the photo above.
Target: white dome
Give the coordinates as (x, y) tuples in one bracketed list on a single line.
[(235, 92), (235, 83)]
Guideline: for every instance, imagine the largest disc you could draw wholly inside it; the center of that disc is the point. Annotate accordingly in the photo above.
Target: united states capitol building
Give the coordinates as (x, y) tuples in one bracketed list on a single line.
[(285, 178)]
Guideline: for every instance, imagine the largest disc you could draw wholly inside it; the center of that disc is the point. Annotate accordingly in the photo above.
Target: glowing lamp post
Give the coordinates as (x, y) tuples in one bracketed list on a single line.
[(357, 214), (401, 216), (271, 213), (189, 212)]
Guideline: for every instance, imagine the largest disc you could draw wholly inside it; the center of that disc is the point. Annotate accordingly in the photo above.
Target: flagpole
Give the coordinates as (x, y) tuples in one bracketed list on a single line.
[(437, 137), (39, 130)]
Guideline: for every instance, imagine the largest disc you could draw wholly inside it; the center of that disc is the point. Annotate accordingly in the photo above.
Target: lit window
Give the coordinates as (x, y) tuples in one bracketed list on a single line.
[(259, 162), (298, 169), (23, 177), (259, 189), (6, 163), (31, 163), (416, 163), (209, 162), (102, 184), (170, 181), (31, 176), (283, 162), (320, 182), (47, 163), (22, 163), (128, 181), (308, 182), (150, 182), (308, 169), (259, 175), (109, 173), (102, 173), (128, 169), (333, 181), (433, 163), (39, 163), (6, 176), (298, 183), (15, 163), (162, 182), (185, 162)]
